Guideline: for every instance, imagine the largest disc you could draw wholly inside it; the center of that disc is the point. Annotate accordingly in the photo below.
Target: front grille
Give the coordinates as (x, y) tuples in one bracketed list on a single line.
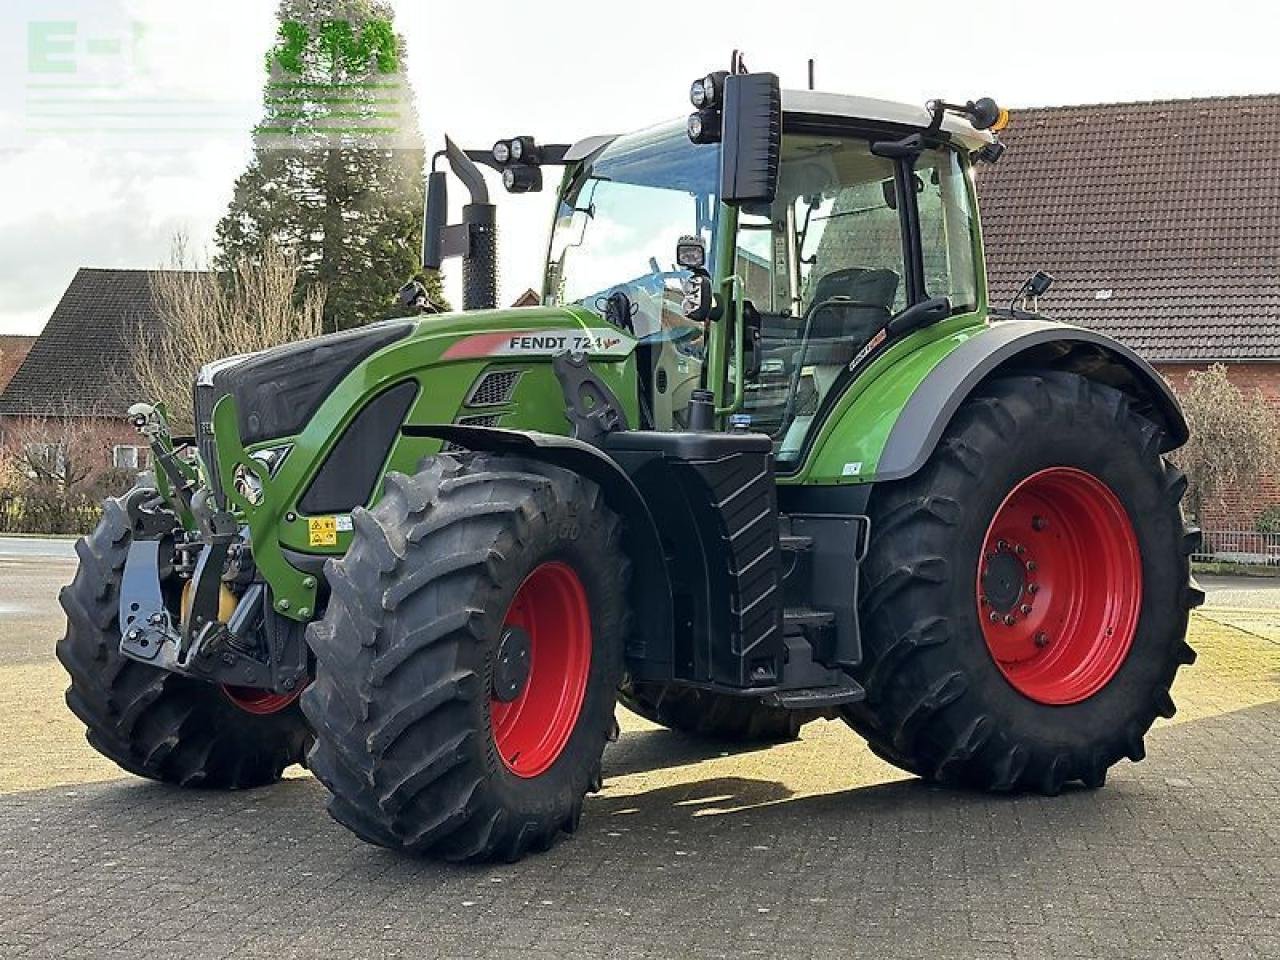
[(494, 389)]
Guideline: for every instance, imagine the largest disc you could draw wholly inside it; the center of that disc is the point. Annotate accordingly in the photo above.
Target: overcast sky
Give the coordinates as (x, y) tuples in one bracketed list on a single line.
[(191, 73)]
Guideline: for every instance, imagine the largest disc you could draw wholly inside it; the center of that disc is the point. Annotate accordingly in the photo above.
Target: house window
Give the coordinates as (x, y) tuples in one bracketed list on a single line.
[(42, 460), (128, 458)]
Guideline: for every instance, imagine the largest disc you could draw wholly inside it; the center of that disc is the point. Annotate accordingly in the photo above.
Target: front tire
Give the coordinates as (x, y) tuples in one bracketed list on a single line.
[(150, 722), (1026, 595), (468, 661)]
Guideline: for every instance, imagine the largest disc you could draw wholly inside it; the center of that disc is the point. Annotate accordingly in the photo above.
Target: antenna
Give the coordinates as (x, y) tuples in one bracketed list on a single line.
[(811, 84)]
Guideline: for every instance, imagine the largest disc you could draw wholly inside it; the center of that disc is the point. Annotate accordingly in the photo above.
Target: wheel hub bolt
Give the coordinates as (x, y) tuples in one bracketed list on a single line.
[(1031, 566), (1019, 549), (1038, 523), (1042, 640), (1002, 545), (1033, 588), (995, 617), (513, 666), (1009, 620), (1025, 608)]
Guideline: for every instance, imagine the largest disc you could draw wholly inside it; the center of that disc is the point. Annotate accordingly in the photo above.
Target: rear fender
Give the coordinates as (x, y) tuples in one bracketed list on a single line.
[(1015, 345), (934, 396), (651, 638)]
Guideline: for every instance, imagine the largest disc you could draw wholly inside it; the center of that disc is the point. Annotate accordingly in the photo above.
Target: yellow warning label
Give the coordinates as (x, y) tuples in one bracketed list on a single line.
[(322, 531)]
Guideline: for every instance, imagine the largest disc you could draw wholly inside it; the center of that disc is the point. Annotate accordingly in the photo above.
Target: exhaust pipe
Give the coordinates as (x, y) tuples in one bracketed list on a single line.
[(475, 239)]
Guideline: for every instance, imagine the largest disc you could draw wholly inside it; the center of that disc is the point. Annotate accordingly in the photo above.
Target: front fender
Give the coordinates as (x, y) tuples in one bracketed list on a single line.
[(651, 638)]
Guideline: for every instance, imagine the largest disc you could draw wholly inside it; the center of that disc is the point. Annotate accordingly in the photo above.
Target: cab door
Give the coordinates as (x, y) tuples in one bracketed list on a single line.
[(829, 265)]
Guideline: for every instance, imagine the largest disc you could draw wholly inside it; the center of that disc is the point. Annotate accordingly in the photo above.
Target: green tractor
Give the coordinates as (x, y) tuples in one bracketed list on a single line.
[(764, 453)]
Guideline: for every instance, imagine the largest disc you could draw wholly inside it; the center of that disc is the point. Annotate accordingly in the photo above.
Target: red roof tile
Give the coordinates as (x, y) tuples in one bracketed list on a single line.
[(1159, 221)]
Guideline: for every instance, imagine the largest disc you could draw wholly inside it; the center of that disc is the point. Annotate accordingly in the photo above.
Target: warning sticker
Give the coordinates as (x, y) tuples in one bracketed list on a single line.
[(322, 531)]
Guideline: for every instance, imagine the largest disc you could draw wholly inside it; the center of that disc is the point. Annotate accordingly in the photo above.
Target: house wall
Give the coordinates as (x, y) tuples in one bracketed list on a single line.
[(1238, 507), (95, 438)]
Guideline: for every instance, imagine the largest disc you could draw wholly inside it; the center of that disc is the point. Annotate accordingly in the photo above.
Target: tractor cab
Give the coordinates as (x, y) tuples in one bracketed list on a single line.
[(766, 250), (825, 267)]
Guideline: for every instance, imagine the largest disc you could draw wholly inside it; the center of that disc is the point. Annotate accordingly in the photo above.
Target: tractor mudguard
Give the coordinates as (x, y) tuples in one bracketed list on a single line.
[(651, 639), (1027, 345)]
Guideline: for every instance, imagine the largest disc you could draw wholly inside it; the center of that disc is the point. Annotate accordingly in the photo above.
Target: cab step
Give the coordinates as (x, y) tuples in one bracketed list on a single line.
[(794, 543), (818, 698), (807, 617)]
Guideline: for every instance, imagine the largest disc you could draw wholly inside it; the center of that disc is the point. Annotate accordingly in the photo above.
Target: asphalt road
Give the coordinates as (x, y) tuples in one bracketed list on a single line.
[(31, 574), (810, 849)]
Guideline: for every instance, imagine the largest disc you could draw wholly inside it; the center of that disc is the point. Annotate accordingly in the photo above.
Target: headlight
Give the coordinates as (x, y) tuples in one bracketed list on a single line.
[(522, 178), (502, 151), (248, 485), (704, 126), (698, 94), (709, 89), (246, 481), (517, 149)]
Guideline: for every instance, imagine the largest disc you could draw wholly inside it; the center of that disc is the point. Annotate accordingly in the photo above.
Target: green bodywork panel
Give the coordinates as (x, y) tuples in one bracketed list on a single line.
[(446, 355), (850, 440)]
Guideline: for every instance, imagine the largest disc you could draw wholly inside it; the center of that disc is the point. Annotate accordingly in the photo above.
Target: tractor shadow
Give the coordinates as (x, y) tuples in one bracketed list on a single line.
[(644, 751)]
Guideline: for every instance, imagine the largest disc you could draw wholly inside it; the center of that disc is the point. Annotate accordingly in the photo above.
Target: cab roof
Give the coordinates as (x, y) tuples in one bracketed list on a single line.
[(886, 111), (815, 103)]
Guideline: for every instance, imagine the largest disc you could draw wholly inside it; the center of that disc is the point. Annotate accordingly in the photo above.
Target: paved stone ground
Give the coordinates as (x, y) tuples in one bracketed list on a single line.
[(1247, 603), (813, 849)]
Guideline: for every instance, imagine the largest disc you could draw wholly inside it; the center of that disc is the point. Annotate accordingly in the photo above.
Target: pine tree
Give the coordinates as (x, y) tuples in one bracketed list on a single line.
[(337, 172)]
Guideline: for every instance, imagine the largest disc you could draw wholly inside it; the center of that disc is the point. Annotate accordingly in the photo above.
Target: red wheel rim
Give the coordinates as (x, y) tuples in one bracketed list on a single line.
[(531, 730), (1059, 586), (261, 703)]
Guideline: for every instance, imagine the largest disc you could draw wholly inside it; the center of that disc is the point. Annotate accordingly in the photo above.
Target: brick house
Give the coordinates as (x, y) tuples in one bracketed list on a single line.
[(74, 385), (13, 350), (1160, 223)]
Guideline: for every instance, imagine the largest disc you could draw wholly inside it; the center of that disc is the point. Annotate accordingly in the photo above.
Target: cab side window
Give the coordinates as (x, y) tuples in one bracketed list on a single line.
[(946, 229)]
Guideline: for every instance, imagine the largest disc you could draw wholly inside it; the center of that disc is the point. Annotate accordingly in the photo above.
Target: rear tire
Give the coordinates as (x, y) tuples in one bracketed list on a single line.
[(715, 716), (951, 702), (426, 738), (153, 723)]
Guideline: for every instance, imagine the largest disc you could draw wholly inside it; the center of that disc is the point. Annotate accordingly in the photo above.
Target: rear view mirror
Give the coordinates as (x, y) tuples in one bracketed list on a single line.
[(752, 138), (1039, 284)]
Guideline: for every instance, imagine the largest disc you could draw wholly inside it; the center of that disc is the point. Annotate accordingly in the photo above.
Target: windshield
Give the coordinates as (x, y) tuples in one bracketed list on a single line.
[(618, 224)]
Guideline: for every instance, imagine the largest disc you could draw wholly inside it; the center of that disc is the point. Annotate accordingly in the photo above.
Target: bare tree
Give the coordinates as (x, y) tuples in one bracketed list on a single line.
[(56, 449), (1234, 439), (206, 316)]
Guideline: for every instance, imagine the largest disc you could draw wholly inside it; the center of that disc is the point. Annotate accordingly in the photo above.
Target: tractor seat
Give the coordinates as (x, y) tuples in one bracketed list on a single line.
[(839, 330)]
